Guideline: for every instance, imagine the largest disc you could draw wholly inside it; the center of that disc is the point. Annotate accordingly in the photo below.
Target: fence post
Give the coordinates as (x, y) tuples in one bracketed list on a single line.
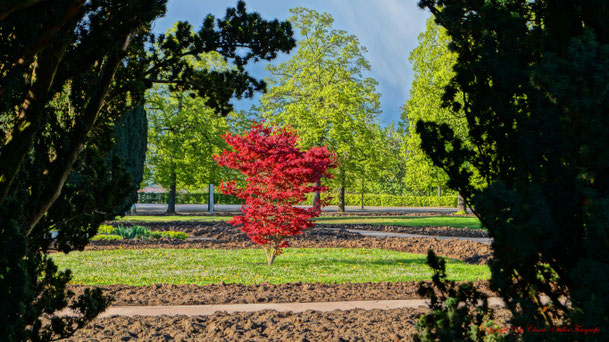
[(210, 206)]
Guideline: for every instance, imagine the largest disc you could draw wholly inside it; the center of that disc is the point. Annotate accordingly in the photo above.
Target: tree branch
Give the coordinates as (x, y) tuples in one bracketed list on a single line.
[(61, 168), (46, 37), (7, 9), (30, 118)]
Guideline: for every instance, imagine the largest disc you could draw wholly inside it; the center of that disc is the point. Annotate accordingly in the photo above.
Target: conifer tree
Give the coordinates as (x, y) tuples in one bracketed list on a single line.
[(532, 75)]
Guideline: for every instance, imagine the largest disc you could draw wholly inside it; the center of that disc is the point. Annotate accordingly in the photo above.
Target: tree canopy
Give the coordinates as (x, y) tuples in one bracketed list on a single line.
[(323, 93), (184, 133), (131, 136), (432, 63)]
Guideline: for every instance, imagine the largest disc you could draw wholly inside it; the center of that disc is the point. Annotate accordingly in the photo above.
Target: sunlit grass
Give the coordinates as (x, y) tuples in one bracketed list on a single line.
[(432, 221), (248, 266), (179, 218)]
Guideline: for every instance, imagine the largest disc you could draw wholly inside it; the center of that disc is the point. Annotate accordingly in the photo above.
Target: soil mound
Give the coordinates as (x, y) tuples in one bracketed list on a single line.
[(352, 325), (166, 294), (433, 231)]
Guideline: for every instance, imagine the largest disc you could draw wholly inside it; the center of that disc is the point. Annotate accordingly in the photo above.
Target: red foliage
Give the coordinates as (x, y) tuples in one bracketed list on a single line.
[(279, 176)]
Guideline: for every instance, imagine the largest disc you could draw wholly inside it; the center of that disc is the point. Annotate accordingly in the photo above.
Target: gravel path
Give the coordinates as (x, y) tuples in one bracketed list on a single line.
[(207, 310), (374, 233)]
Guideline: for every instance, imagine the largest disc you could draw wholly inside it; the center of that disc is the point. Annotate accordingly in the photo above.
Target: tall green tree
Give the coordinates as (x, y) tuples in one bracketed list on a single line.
[(322, 92), (388, 178), (433, 67), (130, 146), (383, 173), (533, 78), (68, 70), (184, 134)]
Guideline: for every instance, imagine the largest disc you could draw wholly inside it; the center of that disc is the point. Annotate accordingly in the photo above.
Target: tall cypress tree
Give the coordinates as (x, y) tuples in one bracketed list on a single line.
[(131, 136)]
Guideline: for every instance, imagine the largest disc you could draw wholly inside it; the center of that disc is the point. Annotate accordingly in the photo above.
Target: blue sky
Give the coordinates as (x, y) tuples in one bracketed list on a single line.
[(387, 28)]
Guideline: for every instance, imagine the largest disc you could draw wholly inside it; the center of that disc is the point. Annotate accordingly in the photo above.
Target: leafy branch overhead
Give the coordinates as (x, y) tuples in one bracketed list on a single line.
[(239, 37)]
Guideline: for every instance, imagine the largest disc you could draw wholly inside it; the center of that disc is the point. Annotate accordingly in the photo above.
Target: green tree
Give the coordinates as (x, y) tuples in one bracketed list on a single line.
[(383, 173), (433, 66), (68, 70), (131, 140), (322, 93), (533, 75), (389, 176), (184, 134)]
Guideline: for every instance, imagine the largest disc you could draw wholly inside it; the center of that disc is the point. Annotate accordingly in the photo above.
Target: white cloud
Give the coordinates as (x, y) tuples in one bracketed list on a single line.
[(389, 29)]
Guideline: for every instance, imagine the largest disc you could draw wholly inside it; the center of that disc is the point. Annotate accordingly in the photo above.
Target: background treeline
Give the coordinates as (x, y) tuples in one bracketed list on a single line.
[(323, 92), (383, 200)]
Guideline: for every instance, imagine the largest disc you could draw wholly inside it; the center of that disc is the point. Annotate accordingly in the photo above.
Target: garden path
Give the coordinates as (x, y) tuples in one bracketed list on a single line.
[(206, 310), (374, 233)]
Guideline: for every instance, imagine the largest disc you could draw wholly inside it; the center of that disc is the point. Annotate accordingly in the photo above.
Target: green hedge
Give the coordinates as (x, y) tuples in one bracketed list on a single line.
[(370, 200), (375, 200), (189, 198)]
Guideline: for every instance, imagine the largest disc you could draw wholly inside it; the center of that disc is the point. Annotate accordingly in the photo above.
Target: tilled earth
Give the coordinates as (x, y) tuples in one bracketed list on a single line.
[(166, 294), (434, 231), (351, 325), (198, 228)]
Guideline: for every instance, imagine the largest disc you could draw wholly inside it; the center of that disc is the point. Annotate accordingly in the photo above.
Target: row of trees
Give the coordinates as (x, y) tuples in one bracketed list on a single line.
[(508, 108), (323, 92)]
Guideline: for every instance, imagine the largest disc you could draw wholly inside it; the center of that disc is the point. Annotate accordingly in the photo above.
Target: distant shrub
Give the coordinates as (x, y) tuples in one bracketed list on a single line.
[(107, 237), (134, 232), (373, 200), (382, 200), (168, 234), (106, 229)]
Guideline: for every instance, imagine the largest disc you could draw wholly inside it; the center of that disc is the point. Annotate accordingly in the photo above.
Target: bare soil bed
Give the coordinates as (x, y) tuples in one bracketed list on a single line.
[(352, 325), (198, 228), (166, 294), (433, 231), (221, 235)]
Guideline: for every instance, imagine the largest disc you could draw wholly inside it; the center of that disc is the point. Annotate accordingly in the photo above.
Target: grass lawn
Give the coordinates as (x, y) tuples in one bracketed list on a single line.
[(434, 221), (248, 266), (172, 218)]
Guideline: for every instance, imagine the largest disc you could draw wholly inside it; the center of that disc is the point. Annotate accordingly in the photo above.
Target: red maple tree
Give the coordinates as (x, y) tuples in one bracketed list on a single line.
[(279, 175)]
